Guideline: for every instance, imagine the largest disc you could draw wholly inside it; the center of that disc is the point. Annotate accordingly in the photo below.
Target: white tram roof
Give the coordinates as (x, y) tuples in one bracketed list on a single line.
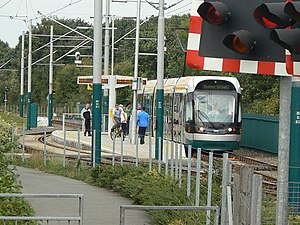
[(187, 84), (197, 79)]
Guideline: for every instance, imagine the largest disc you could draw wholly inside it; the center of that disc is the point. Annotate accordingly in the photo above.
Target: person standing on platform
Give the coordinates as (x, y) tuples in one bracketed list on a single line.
[(123, 121), (142, 122), (86, 116)]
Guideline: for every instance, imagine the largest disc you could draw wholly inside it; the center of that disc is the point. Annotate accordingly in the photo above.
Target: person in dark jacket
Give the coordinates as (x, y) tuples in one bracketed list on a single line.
[(86, 116), (142, 122)]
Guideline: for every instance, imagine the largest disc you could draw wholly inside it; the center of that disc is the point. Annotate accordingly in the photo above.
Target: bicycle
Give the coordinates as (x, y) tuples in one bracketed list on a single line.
[(117, 132)]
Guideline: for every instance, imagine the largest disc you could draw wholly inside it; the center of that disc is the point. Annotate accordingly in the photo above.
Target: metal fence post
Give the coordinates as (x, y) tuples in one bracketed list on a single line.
[(209, 185), (78, 149), (122, 148), (65, 145), (229, 205), (167, 158), (197, 201), (23, 142), (137, 150), (159, 155), (224, 211), (256, 201), (216, 216), (45, 146), (180, 166), (176, 161), (81, 204), (114, 151), (150, 153), (94, 149), (122, 215), (188, 189), (172, 159), (12, 139), (63, 122)]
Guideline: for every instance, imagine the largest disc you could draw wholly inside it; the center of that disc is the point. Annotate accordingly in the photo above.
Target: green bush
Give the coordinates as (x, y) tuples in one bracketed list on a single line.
[(5, 134), (8, 179)]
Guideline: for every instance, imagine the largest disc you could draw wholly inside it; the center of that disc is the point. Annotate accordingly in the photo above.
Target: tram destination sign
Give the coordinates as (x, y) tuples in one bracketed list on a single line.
[(215, 85)]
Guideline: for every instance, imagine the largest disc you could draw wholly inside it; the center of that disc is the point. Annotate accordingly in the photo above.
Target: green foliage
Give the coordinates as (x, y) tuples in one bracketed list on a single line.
[(260, 93), (137, 183), (5, 134), (8, 179)]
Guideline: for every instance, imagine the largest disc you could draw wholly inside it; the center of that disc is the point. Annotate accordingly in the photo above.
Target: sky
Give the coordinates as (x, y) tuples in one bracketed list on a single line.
[(14, 13)]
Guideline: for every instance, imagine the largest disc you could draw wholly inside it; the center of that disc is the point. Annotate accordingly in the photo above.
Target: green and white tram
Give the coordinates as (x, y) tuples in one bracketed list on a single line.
[(202, 111)]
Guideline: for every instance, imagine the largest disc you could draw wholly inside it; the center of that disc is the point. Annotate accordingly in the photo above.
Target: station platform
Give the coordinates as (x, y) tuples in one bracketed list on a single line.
[(129, 149)]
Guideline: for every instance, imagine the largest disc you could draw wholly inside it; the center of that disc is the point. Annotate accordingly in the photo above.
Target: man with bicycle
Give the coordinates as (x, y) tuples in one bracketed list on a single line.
[(116, 117)]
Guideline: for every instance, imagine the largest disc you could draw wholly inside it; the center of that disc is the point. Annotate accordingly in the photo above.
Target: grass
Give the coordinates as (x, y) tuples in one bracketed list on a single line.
[(137, 183)]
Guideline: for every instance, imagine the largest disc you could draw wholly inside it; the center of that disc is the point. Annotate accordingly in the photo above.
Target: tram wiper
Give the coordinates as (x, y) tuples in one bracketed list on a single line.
[(204, 114)]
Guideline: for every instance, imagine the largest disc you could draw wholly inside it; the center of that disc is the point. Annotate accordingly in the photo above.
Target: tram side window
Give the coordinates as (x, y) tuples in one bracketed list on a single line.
[(189, 112)]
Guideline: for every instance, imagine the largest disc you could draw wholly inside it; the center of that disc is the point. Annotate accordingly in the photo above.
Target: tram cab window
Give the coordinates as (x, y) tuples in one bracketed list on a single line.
[(216, 108), (189, 112)]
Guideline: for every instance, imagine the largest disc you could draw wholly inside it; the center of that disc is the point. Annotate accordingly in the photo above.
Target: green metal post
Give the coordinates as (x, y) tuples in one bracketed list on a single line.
[(29, 77), (29, 111), (97, 119), (159, 120), (105, 111), (160, 80), (50, 96), (21, 105), (294, 165), (22, 77), (97, 82), (50, 109)]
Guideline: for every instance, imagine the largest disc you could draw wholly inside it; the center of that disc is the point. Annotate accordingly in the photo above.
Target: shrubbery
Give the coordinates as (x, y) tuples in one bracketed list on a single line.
[(8, 179)]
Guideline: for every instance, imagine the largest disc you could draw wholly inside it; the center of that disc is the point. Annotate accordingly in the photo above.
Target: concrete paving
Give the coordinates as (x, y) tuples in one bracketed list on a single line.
[(101, 207), (107, 144)]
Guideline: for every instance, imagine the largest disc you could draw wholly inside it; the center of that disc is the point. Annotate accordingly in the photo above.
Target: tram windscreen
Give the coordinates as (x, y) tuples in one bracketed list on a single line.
[(214, 108)]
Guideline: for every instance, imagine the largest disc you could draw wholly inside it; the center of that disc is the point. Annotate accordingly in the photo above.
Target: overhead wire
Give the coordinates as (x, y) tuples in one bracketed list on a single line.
[(32, 8), (179, 8), (19, 8), (2, 6), (26, 9), (57, 10)]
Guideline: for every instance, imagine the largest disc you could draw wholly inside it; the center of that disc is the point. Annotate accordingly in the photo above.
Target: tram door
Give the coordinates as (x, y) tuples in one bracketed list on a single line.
[(168, 128), (177, 116)]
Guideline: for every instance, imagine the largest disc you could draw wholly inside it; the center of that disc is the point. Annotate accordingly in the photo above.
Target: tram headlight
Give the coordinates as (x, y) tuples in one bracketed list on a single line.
[(232, 130), (201, 129)]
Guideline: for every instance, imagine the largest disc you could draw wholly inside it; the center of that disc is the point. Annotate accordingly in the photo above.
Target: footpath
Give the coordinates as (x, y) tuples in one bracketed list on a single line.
[(101, 207)]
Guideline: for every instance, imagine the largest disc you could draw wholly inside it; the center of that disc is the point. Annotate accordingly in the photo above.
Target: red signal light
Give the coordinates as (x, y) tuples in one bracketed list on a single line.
[(240, 41), (214, 16), (272, 15), (268, 23), (215, 13)]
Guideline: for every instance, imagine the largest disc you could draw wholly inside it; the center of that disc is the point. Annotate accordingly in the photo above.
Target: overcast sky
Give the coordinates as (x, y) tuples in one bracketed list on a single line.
[(14, 12)]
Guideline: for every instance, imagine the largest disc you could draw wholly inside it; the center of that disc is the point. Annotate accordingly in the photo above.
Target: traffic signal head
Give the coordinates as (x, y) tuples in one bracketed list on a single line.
[(293, 10), (288, 39), (215, 13), (272, 15), (229, 31), (241, 41)]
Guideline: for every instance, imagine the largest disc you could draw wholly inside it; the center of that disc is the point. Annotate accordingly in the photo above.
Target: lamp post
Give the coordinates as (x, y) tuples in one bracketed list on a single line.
[(160, 79), (29, 77), (97, 82), (5, 98)]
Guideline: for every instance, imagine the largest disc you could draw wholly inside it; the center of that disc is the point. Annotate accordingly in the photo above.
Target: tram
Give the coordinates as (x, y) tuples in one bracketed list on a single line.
[(202, 111)]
